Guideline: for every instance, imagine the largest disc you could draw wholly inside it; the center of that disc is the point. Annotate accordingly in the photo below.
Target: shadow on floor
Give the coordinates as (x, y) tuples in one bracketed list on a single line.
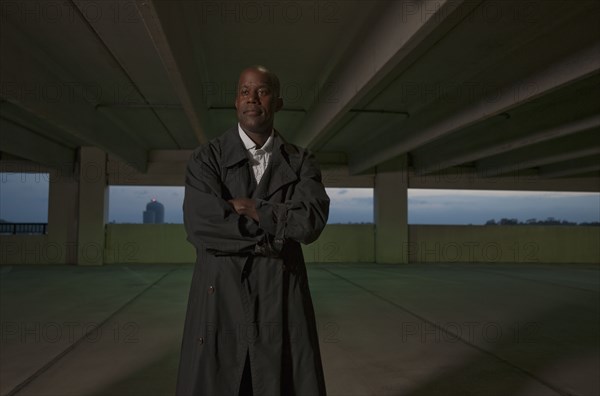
[(157, 378), (548, 344)]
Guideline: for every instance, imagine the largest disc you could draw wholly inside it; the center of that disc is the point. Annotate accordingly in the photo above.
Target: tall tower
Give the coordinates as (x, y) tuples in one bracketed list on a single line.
[(154, 213)]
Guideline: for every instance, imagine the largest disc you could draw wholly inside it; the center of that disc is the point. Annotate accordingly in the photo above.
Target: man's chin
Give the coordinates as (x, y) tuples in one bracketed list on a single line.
[(255, 127)]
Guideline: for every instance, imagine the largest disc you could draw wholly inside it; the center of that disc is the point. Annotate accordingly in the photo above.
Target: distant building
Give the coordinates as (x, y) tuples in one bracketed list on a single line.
[(154, 213)]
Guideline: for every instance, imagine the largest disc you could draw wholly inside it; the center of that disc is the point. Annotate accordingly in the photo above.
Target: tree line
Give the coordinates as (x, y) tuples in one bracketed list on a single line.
[(550, 221)]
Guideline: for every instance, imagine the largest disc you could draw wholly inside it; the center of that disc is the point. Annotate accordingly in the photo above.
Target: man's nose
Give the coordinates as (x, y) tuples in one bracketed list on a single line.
[(253, 96)]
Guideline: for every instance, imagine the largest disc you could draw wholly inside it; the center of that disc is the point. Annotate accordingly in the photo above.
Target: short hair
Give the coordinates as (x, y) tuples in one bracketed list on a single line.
[(275, 84)]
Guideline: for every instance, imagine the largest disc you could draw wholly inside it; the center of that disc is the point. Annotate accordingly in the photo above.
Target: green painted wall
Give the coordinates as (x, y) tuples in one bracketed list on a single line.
[(147, 243), (30, 249), (166, 243), (506, 244), (343, 243)]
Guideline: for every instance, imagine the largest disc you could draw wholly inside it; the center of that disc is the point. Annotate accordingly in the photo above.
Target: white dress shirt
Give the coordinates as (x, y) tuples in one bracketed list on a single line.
[(259, 157)]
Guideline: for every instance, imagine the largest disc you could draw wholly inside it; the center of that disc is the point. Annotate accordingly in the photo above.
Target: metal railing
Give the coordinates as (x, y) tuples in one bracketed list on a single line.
[(23, 228)]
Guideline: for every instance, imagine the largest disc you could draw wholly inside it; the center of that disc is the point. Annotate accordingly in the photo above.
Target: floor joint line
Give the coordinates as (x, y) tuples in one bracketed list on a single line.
[(71, 347), (478, 348)]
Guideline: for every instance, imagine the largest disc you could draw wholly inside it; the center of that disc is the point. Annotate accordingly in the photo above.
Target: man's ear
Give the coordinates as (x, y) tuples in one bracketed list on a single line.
[(278, 104)]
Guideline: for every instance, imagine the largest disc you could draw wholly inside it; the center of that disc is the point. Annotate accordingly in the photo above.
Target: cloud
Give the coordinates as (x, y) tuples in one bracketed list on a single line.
[(24, 197), (476, 207), (140, 193)]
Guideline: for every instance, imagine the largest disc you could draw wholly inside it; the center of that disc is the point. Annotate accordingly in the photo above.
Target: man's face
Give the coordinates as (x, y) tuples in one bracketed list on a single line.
[(256, 102)]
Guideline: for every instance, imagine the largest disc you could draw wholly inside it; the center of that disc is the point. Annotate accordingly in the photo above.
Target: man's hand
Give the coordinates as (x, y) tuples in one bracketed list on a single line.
[(245, 206)]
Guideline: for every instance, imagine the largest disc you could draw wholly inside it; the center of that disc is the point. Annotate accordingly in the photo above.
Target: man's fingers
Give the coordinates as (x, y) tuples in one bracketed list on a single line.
[(243, 206)]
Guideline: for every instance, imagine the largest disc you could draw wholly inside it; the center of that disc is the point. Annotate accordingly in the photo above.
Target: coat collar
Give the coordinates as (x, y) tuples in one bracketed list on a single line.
[(232, 147), (285, 158), (282, 168)]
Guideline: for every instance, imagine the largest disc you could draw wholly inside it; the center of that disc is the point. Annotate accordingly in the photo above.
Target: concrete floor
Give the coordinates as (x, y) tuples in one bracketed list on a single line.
[(384, 329)]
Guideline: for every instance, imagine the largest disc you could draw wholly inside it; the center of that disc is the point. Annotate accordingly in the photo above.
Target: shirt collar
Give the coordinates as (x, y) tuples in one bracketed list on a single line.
[(249, 143)]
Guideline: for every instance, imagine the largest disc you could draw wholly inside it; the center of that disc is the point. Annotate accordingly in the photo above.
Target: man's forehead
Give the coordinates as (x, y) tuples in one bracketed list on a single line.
[(254, 77), (252, 83)]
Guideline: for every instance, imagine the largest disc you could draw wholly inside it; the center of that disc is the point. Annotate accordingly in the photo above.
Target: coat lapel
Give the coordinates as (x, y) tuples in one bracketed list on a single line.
[(280, 170), (236, 167), (232, 148)]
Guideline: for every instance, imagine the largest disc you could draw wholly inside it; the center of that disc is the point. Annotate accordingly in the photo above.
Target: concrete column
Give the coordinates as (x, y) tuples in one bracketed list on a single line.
[(63, 203), (391, 212), (93, 206)]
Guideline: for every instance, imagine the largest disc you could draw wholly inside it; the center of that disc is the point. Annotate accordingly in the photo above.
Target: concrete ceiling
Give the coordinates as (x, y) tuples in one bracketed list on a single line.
[(498, 86)]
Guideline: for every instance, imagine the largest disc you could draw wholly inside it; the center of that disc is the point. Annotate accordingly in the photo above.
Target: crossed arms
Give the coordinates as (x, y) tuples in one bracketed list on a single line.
[(242, 225)]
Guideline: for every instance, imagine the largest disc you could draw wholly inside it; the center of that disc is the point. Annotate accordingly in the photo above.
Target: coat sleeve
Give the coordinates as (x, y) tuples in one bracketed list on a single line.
[(210, 221), (303, 217)]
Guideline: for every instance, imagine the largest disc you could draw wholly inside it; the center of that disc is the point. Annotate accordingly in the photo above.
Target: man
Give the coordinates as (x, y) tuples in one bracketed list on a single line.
[(251, 198)]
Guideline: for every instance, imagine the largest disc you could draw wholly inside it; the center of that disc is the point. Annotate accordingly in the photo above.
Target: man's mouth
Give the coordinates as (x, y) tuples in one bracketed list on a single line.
[(252, 112)]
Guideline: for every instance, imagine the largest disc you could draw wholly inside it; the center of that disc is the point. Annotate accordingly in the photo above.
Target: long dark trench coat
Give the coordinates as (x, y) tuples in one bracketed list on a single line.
[(249, 291)]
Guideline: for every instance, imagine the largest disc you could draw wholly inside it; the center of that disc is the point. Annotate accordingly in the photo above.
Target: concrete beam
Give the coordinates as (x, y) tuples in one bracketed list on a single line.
[(92, 206), (165, 168), (414, 27), (25, 143), (567, 71), (163, 22), (430, 161), (465, 178), (20, 116), (14, 164), (570, 168), (126, 38), (63, 210), (338, 176), (34, 81), (585, 144), (331, 158), (390, 202)]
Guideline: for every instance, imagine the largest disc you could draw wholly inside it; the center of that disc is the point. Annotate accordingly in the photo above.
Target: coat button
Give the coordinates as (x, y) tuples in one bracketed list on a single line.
[(211, 289), (200, 340)]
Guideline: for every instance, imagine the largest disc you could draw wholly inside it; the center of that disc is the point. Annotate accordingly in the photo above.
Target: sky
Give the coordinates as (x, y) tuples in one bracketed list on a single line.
[(24, 198), (476, 206), (127, 204)]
